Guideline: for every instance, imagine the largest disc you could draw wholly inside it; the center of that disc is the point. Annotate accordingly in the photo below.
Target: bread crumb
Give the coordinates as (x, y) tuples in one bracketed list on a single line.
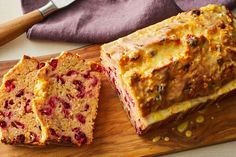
[(166, 139), (156, 139), (188, 133), (200, 119), (182, 127)]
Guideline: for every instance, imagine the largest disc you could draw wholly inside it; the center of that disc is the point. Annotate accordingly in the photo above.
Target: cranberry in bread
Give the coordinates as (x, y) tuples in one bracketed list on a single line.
[(18, 123), (67, 99), (173, 66)]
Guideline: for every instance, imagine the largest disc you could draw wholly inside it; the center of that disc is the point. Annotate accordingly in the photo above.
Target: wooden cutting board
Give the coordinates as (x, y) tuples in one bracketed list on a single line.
[(114, 135)]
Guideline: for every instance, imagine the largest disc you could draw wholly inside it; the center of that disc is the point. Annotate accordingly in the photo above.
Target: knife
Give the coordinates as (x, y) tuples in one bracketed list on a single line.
[(14, 28)]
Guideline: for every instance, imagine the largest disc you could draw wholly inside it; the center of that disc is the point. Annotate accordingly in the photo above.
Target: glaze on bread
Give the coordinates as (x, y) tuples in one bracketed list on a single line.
[(173, 66)]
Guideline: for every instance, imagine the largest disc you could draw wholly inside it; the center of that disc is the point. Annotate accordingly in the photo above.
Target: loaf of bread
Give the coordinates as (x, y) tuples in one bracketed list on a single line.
[(173, 66), (67, 98), (18, 123)]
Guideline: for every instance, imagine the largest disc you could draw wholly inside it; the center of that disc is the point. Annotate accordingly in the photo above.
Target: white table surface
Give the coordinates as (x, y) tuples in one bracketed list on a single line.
[(14, 50)]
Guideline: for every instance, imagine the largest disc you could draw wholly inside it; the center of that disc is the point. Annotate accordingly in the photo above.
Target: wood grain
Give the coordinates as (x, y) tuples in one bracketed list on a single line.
[(114, 135), (14, 28)]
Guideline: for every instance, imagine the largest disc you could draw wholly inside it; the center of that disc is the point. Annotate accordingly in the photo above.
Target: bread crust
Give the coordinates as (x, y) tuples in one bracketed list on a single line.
[(183, 58)]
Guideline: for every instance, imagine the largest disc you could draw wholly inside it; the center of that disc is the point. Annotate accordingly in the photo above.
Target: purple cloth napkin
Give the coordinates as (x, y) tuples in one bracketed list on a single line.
[(98, 21)]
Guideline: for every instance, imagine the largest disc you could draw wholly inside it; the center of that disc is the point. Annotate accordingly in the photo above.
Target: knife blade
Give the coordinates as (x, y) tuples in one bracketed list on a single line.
[(62, 3), (54, 5)]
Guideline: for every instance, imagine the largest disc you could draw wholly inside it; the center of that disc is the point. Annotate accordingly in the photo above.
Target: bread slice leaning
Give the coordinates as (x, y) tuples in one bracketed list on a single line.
[(18, 123), (66, 100)]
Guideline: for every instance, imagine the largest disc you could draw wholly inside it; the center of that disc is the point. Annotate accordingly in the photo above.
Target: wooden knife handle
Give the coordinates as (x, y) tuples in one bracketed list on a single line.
[(12, 29)]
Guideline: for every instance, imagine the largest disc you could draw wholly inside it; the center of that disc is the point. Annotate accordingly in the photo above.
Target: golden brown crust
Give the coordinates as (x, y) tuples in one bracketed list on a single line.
[(185, 57), (204, 63)]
